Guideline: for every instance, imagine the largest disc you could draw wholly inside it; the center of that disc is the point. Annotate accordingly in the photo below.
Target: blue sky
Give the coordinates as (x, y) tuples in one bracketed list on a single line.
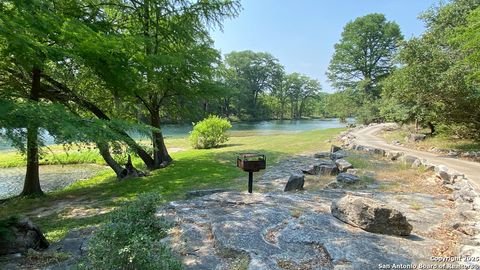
[(302, 33)]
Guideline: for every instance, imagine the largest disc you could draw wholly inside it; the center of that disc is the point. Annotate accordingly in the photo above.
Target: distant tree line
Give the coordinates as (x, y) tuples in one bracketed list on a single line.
[(254, 86)]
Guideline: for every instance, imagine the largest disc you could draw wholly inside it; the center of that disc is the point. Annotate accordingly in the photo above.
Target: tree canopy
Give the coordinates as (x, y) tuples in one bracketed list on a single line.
[(365, 54)]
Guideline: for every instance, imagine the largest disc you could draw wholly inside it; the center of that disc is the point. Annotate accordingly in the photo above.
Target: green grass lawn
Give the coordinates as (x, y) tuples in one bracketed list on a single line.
[(85, 203)]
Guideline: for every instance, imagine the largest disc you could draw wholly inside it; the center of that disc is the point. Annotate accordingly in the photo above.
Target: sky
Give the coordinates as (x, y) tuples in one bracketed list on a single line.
[(302, 33)]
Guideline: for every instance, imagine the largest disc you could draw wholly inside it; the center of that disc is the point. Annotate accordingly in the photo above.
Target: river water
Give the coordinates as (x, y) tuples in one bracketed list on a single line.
[(55, 177), (263, 127)]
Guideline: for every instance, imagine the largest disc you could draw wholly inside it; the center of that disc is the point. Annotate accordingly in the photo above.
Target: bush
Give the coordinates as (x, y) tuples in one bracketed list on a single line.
[(210, 132), (131, 239)]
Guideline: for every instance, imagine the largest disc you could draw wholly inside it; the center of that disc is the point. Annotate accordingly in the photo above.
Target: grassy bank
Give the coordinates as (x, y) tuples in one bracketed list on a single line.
[(86, 202), (439, 141)]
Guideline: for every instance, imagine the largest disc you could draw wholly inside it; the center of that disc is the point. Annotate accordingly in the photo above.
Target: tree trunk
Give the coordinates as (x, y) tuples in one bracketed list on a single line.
[(161, 157), (32, 178), (282, 109), (432, 127), (105, 153)]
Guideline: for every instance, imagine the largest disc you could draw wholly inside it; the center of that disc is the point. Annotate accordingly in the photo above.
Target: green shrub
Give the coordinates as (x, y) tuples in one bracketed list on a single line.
[(131, 239), (210, 132)]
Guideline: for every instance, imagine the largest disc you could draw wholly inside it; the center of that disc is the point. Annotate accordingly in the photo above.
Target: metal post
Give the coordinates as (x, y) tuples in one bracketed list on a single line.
[(250, 181)]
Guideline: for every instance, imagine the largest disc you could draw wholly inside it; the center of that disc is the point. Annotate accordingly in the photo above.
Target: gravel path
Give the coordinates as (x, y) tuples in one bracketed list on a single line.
[(367, 137), (52, 177)]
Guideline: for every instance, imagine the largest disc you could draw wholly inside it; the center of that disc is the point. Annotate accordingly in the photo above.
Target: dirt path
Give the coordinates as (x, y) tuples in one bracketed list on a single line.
[(367, 137)]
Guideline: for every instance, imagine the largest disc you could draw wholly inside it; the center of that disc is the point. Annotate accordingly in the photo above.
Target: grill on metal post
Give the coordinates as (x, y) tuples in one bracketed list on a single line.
[(251, 162)]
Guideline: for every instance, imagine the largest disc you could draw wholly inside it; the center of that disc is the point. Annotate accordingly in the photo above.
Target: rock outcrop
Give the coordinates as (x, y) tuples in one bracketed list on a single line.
[(18, 236), (202, 192), (274, 231), (371, 216)]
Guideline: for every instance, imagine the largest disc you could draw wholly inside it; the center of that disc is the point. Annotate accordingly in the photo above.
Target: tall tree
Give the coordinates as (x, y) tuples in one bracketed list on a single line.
[(299, 89), (170, 59), (365, 54), (28, 49), (255, 73), (467, 38), (433, 84)]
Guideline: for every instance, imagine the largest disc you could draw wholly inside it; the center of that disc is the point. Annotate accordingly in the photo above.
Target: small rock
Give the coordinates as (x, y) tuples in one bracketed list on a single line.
[(370, 215), (332, 185), (353, 171), (324, 167), (334, 149), (295, 182), (393, 155), (452, 154), (343, 165), (417, 163), (347, 178), (339, 155), (446, 175), (322, 155), (428, 167), (441, 172), (416, 137), (360, 172), (409, 160), (379, 151)]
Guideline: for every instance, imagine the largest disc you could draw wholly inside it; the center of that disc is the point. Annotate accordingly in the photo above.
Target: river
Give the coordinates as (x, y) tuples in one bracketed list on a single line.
[(262, 127)]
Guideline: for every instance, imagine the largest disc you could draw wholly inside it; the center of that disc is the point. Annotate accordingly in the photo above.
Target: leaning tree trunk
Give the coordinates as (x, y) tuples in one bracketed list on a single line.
[(122, 172), (31, 185), (160, 153), (65, 95), (111, 162)]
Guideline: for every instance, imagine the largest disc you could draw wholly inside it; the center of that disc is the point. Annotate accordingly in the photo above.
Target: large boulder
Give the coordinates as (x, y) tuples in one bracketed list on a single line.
[(323, 167), (347, 178), (343, 165), (295, 182), (370, 215), (18, 236)]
